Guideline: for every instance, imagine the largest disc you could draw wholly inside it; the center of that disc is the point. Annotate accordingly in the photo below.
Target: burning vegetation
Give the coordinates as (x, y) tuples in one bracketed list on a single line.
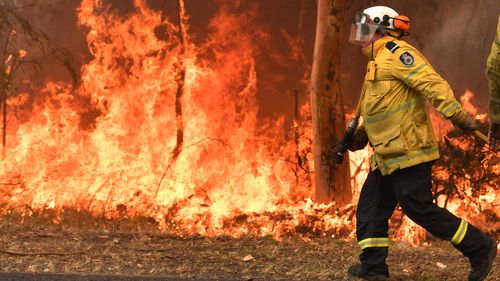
[(165, 127)]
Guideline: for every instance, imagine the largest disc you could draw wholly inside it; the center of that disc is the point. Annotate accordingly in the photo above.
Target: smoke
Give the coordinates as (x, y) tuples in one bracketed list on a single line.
[(455, 36), (54, 26), (462, 41)]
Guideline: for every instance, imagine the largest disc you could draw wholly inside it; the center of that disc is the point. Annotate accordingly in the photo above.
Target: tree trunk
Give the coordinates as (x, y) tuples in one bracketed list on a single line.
[(181, 79), (4, 84), (332, 181), (4, 123)]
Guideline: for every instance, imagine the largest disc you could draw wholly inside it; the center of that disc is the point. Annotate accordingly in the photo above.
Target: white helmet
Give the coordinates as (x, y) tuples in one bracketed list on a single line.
[(382, 15), (378, 18)]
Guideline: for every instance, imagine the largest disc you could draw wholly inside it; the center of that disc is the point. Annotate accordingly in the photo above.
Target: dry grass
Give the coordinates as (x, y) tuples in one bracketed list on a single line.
[(92, 246)]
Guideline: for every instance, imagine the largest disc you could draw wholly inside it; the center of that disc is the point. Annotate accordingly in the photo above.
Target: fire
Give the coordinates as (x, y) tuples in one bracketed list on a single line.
[(467, 100), (125, 144), (230, 163)]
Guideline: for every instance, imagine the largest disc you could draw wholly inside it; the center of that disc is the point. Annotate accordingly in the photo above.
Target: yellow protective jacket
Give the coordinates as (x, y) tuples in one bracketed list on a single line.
[(394, 108), (493, 73)]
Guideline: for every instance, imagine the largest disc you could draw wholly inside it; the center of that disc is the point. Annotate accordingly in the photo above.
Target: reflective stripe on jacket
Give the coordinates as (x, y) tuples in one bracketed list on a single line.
[(394, 107), (493, 73)]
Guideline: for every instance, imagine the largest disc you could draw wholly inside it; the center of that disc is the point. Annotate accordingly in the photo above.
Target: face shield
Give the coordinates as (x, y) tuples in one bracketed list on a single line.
[(362, 29)]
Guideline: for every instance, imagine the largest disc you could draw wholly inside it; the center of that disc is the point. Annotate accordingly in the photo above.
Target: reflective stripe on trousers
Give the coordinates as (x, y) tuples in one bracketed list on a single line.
[(460, 233), (374, 242)]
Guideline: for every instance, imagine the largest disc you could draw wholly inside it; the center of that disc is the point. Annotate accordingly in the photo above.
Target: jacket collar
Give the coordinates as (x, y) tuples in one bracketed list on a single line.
[(377, 45)]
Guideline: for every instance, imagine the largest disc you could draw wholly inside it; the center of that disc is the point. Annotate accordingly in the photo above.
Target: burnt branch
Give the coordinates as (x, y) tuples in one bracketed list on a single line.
[(466, 171), (14, 253), (15, 32)]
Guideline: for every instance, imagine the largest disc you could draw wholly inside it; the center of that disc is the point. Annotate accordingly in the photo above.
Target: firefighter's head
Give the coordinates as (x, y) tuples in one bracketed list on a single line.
[(376, 22)]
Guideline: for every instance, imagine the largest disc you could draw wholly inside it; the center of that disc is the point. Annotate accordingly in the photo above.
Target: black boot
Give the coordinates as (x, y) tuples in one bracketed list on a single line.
[(481, 269), (355, 271)]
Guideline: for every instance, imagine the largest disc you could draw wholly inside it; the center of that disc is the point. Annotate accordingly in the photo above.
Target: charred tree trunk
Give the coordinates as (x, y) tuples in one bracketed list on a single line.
[(180, 82), (4, 123), (296, 122), (5, 83), (332, 182)]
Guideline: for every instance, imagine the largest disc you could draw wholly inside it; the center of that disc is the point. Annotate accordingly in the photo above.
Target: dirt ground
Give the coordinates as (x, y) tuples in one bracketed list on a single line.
[(38, 245)]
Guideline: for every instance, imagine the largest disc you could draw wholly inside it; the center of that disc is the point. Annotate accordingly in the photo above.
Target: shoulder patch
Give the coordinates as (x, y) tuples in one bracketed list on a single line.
[(407, 59), (391, 46)]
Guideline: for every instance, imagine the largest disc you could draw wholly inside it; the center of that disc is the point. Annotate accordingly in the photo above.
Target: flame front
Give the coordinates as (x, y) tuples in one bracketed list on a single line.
[(230, 163)]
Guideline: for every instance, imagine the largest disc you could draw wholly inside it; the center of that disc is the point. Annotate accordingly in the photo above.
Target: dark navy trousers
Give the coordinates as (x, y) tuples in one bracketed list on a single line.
[(412, 189)]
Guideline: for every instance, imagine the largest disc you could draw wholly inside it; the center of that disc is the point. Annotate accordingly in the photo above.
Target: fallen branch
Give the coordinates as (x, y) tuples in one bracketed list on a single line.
[(38, 254)]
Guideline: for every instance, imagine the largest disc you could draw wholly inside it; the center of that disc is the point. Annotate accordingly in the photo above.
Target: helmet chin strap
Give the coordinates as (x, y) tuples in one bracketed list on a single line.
[(371, 56)]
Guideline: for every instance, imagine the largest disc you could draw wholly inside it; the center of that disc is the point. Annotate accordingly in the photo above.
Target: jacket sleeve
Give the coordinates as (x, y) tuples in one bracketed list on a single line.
[(493, 74), (409, 66)]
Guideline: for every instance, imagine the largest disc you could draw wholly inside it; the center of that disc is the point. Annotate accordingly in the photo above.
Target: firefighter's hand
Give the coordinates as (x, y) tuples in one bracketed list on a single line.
[(337, 148), (465, 122), (359, 140), (494, 137), (337, 153)]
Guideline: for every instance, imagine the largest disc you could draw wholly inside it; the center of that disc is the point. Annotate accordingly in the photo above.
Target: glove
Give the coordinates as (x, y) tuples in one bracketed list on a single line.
[(494, 137), (464, 121), (359, 140)]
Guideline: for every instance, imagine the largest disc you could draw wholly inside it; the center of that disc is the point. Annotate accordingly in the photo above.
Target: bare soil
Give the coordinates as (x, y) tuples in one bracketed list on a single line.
[(36, 244)]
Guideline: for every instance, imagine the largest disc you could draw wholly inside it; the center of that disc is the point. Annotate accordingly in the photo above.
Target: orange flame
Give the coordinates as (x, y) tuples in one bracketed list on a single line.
[(230, 163)]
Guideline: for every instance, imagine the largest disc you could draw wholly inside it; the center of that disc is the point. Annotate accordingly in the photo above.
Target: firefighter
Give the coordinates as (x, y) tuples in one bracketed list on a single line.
[(493, 73), (398, 82)]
